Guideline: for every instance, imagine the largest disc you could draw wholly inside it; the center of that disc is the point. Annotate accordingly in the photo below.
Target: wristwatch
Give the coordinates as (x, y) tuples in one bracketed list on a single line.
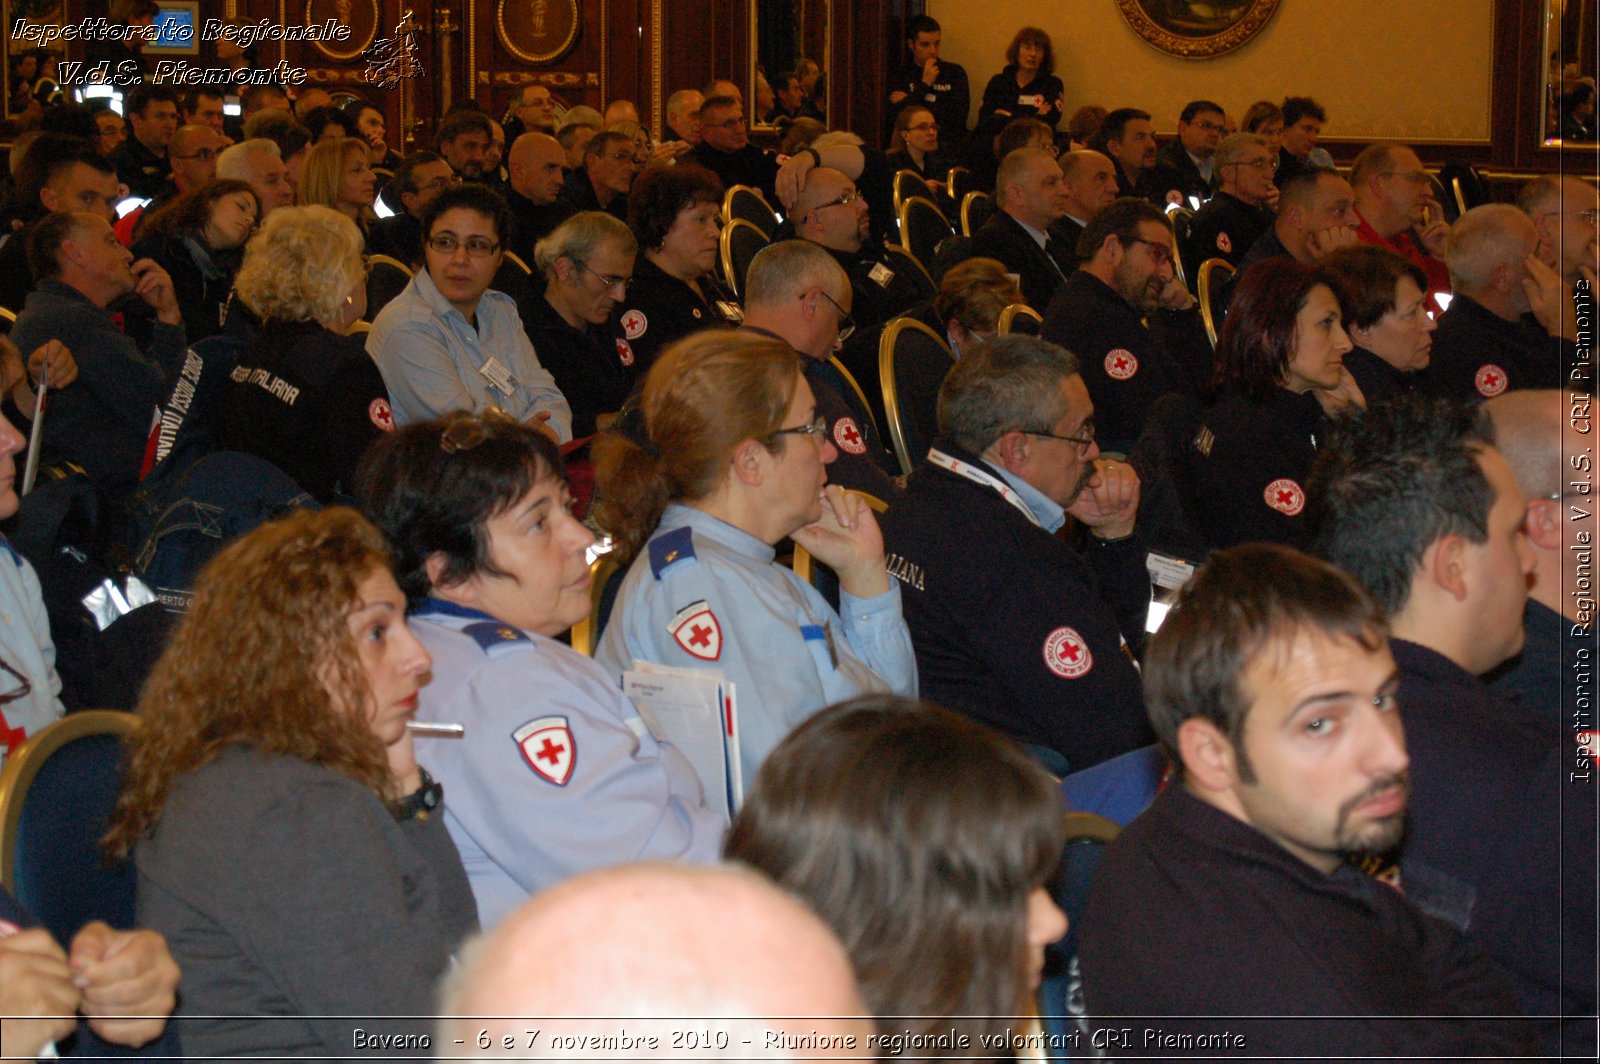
[(422, 802)]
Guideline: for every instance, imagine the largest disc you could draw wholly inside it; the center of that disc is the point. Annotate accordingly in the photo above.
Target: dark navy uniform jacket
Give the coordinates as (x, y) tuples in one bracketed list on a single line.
[(1226, 227), (1010, 624), (1249, 463), (1477, 354), (1125, 365), (660, 309)]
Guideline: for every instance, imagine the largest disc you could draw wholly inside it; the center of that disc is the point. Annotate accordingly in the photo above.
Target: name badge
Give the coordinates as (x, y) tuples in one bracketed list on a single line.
[(497, 376), (881, 274)]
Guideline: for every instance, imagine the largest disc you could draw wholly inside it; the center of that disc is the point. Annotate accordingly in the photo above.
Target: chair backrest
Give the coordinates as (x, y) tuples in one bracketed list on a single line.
[(953, 249), (516, 260), (976, 207), (860, 393), (387, 278), (901, 260), (912, 362), (741, 241), (743, 203), (1209, 287), (604, 577), (958, 181), (1019, 318), (922, 228), (57, 792), (909, 184), (358, 328), (1182, 219), (8, 318)]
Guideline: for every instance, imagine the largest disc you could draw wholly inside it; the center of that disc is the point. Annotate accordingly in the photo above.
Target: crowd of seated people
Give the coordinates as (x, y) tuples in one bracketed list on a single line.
[(1354, 442)]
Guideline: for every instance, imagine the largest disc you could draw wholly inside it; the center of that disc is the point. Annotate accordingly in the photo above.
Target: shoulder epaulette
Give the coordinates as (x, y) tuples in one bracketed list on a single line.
[(493, 636), (670, 548)]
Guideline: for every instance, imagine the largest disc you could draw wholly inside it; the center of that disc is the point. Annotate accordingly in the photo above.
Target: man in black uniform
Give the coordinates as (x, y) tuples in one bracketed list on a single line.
[(830, 212), (1128, 139), (1414, 501), (1238, 215), (1126, 277), (1228, 908), (1302, 125), (537, 172), (463, 139), (927, 81), (609, 167), (1011, 626), (796, 292), (419, 180), (1186, 166), (726, 151), (1494, 337), (1030, 199), (141, 160)]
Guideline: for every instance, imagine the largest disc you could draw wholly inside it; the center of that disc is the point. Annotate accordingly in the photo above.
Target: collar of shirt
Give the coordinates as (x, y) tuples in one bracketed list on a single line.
[(435, 300), (1016, 492), (714, 528), (1038, 237), (1045, 511), (1205, 166), (452, 609)]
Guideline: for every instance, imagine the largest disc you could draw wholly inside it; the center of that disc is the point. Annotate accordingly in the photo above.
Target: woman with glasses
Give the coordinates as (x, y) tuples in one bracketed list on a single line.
[(337, 174), (556, 773), (1279, 377), (199, 240), (289, 845), (675, 213), (915, 146), (723, 459), (585, 261), (925, 840), (305, 396)]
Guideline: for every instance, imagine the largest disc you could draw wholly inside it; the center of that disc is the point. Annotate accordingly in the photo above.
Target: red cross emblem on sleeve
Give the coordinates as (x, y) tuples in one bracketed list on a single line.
[(1066, 654), (697, 630), (624, 352), (381, 414), (848, 437), (1490, 380), (1224, 243), (634, 323), (548, 748), (1285, 496), (1121, 364)]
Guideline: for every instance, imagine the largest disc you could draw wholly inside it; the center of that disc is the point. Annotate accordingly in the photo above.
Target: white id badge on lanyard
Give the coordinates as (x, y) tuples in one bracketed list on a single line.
[(497, 376)]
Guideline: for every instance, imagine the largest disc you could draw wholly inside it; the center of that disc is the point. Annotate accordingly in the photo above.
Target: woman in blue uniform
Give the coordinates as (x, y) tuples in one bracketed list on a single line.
[(724, 459), (1279, 376)]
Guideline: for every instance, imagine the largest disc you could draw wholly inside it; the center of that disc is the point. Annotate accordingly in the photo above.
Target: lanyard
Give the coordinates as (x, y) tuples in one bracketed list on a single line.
[(978, 476)]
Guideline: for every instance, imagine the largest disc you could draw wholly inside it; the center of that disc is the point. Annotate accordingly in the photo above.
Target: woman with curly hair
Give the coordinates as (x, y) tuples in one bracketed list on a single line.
[(1027, 87), (674, 212), (925, 841), (288, 843), (338, 173), (305, 396), (198, 239)]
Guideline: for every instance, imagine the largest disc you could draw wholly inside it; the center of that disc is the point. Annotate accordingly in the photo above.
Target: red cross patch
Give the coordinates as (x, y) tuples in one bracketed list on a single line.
[(634, 323), (697, 630), (381, 414), (1285, 496), (548, 748), (848, 437), (624, 352), (1490, 380), (10, 738), (1224, 244), (1121, 364), (1066, 654)]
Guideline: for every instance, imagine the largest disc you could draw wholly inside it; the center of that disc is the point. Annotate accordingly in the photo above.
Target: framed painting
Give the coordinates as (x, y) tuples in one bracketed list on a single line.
[(1197, 29)]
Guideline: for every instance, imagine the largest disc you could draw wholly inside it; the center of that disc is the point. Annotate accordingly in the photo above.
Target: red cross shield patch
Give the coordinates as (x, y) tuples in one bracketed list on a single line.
[(624, 352), (381, 414), (1121, 364), (1066, 654), (1224, 243), (548, 748), (697, 630), (1490, 380), (1285, 496), (848, 437), (634, 323)]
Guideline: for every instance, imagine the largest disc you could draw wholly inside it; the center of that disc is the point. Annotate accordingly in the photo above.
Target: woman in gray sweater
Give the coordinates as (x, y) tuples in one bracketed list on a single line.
[(288, 844)]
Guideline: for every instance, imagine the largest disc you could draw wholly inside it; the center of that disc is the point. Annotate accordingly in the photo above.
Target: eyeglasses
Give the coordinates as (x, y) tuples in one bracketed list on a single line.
[(1209, 127), (845, 199), (478, 247), (1415, 177), (617, 284), (923, 127), (472, 431), (438, 182), (817, 430), (847, 324), (1161, 252), (204, 154), (1084, 442), (730, 124), (622, 157), (1266, 162)]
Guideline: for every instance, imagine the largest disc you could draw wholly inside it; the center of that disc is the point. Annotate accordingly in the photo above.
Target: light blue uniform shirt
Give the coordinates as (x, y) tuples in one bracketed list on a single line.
[(557, 774), (780, 643), (430, 358)]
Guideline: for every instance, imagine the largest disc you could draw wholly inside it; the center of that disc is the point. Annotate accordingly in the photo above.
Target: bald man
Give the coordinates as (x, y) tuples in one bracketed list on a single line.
[(537, 171), (644, 944), (192, 154), (1088, 182), (1396, 209)]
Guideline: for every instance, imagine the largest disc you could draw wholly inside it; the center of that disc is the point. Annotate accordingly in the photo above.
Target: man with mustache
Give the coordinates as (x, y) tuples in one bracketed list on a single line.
[(1230, 910), (1012, 626), (1416, 502), (1124, 280)]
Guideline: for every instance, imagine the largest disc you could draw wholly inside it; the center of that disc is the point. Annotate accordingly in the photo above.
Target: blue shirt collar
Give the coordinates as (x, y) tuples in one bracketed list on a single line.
[(736, 539), (1050, 516), (452, 609)]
